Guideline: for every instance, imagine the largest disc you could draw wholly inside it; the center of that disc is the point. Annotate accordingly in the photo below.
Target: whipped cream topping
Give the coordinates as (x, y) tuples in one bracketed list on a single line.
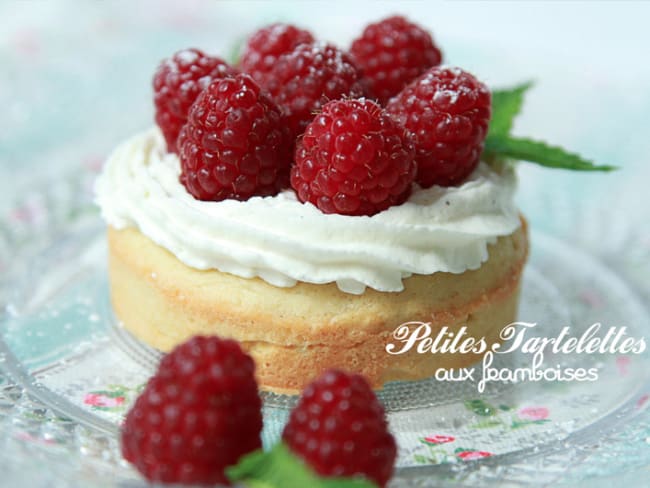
[(282, 241)]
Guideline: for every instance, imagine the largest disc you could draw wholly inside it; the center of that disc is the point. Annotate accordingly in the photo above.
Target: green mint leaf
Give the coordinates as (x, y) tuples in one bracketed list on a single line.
[(506, 104), (258, 484), (498, 146), (235, 52), (345, 483), (279, 468), (276, 468)]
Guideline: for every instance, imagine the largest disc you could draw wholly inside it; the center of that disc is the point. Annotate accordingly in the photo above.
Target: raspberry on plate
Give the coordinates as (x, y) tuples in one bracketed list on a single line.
[(339, 429), (197, 415), (177, 83), (392, 53), (234, 144), (353, 159), (447, 112), (309, 76), (266, 45)]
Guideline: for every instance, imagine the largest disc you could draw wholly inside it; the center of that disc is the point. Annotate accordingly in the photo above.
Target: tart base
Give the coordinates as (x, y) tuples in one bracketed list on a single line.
[(295, 333)]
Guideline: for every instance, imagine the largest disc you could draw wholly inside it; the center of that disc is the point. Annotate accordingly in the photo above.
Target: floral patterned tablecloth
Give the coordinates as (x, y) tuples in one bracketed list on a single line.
[(75, 80)]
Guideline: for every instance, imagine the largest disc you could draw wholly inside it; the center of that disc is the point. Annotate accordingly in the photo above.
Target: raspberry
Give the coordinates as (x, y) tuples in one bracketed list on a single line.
[(177, 83), (199, 414), (447, 111), (339, 429), (392, 53), (234, 144), (311, 75), (353, 159), (266, 45)]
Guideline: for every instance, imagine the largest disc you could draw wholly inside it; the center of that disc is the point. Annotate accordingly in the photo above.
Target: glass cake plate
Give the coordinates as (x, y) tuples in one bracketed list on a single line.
[(71, 372)]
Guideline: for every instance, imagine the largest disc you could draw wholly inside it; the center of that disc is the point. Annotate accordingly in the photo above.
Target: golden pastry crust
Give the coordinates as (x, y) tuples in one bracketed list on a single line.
[(295, 333)]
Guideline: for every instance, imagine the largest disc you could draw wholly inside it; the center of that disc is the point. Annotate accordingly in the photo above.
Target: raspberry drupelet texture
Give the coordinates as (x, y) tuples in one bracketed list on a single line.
[(353, 159), (266, 45), (177, 83), (339, 429), (311, 75), (392, 53), (234, 144), (447, 112), (197, 415)]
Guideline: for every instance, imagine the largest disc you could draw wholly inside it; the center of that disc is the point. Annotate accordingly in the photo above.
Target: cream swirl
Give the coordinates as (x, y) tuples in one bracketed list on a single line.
[(282, 240)]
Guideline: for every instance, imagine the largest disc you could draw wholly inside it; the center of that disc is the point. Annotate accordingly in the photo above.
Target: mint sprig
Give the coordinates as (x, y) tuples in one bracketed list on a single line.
[(539, 152), (235, 52), (279, 468), (506, 104), (500, 145)]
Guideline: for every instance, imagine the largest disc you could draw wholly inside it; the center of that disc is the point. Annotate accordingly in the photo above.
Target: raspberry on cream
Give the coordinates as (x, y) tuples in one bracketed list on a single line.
[(282, 241), (448, 111), (246, 153), (353, 159), (176, 84), (392, 53), (266, 45), (302, 80)]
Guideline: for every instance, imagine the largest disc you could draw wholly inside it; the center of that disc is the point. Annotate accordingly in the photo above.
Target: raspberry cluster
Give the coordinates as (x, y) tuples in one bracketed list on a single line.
[(305, 109), (201, 412)]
